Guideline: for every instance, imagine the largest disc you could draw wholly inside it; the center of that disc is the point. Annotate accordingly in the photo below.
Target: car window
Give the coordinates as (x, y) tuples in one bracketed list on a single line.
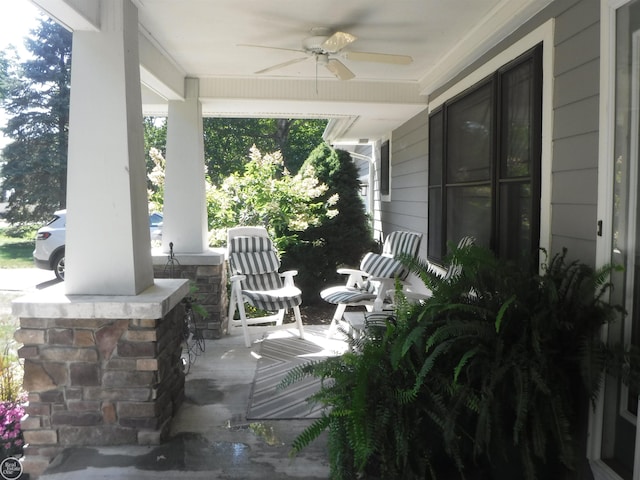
[(55, 217)]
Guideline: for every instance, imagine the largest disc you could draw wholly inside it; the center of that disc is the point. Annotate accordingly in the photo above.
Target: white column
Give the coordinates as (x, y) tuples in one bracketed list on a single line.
[(108, 245), (185, 205)]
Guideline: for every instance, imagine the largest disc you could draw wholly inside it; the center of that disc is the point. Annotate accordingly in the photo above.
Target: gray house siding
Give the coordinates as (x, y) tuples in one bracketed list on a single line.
[(408, 207), (574, 139), (575, 130)]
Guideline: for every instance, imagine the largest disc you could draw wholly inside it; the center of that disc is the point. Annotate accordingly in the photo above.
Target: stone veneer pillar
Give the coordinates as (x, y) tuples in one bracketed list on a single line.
[(99, 370), (207, 274)]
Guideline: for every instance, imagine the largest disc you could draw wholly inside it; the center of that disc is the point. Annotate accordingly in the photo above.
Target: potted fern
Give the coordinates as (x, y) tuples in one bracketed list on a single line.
[(490, 378)]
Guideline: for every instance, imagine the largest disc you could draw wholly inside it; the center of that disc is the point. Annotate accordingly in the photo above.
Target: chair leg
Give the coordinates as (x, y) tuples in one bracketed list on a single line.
[(280, 316), (296, 312), (337, 317), (231, 311), (243, 319)]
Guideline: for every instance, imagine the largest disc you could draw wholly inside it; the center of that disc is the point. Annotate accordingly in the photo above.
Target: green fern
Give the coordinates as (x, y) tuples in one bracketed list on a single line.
[(493, 363)]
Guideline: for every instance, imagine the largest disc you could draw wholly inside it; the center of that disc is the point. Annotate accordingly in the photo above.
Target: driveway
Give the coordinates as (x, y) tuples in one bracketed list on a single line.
[(25, 279)]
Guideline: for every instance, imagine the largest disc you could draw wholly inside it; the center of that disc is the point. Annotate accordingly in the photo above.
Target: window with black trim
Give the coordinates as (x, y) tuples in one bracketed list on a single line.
[(484, 163), (385, 171)]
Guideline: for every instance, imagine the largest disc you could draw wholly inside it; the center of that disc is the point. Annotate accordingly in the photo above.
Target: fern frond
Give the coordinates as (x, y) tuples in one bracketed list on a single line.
[(309, 434)]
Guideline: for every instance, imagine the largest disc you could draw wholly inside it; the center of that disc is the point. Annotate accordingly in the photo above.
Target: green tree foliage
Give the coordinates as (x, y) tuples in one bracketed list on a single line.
[(264, 193), (228, 142), (35, 169), (5, 75), (155, 179), (340, 240), (155, 146)]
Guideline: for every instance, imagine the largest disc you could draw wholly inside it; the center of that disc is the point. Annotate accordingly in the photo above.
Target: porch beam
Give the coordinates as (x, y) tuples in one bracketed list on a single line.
[(75, 15)]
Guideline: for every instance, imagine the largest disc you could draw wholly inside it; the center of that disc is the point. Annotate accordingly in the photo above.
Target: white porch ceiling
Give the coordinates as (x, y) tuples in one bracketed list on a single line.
[(202, 38)]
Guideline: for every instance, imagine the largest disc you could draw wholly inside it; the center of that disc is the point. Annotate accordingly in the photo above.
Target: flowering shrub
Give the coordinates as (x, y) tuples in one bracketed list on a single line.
[(12, 399), (266, 194), (11, 438)]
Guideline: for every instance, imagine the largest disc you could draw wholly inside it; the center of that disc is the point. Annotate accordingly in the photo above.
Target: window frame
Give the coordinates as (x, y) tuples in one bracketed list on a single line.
[(384, 179), (438, 235)]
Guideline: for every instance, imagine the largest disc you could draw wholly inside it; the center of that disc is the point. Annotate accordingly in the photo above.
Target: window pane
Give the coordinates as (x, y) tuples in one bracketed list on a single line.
[(517, 85), (435, 224), (515, 222), (469, 134), (435, 148), (469, 213)]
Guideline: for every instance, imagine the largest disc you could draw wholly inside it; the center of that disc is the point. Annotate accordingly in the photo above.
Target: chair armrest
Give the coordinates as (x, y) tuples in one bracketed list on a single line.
[(384, 279), (289, 273), (288, 277), (356, 277), (237, 278), (411, 295), (351, 271)]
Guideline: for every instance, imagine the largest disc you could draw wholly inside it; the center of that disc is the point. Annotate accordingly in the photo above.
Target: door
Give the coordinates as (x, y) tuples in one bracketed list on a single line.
[(617, 443)]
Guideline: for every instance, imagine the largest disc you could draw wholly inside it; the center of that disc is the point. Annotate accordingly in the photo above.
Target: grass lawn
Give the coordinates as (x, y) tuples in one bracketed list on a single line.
[(16, 252)]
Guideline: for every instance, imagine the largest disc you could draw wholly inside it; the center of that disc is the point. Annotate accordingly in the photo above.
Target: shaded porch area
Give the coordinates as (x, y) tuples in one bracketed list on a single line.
[(210, 436)]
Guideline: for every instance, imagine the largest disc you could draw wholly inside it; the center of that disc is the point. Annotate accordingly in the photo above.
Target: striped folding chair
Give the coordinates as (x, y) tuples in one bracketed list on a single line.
[(368, 285), (254, 276)]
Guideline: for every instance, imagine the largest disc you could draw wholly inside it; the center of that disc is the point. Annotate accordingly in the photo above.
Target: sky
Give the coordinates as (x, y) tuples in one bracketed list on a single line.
[(17, 18)]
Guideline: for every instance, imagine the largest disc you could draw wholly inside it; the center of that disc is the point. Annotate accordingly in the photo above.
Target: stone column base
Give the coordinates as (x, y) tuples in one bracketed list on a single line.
[(99, 370), (207, 275)]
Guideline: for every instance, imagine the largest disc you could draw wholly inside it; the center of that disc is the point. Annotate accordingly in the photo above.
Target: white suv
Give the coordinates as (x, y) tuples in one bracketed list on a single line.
[(50, 241)]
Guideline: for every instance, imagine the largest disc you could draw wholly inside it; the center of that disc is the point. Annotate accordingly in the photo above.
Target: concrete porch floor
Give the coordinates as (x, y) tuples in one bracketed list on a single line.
[(210, 437)]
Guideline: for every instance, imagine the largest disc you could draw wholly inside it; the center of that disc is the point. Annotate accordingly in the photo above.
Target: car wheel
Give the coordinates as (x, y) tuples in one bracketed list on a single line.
[(58, 266)]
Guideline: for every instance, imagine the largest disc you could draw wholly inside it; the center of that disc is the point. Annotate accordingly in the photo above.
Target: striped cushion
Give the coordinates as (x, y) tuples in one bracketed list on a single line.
[(379, 319), (402, 242), (382, 266), (263, 281), (251, 244), (253, 255), (377, 265), (455, 269), (270, 300), (257, 259), (250, 263), (349, 295)]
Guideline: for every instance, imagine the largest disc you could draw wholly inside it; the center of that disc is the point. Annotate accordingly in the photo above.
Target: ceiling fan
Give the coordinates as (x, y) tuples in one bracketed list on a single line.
[(324, 46)]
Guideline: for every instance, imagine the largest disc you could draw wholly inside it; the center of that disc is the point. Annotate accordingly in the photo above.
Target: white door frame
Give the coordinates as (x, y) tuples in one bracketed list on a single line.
[(604, 242)]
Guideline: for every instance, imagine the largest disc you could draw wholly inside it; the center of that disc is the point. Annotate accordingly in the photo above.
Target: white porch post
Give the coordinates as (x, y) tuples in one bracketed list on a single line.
[(185, 206), (108, 244)]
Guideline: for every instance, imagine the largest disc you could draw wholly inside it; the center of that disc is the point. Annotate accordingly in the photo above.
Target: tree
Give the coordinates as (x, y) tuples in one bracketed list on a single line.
[(228, 142), (265, 194), (155, 147), (35, 169), (5, 75), (340, 240)]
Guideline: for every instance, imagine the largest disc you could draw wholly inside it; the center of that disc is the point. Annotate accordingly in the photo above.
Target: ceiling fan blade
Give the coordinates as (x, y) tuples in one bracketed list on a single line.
[(377, 57), (339, 69), (270, 48), (281, 65), (338, 41)]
